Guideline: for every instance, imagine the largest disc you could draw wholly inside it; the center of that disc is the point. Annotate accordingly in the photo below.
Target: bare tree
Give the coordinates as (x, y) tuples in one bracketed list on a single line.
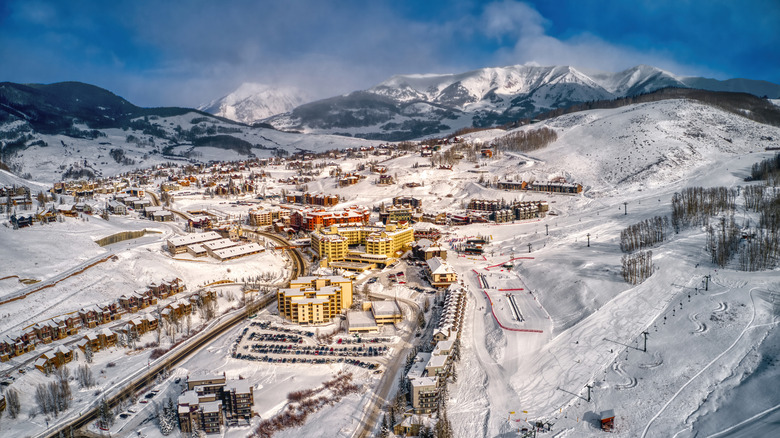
[(637, 267), (12, 401), (84, 376)]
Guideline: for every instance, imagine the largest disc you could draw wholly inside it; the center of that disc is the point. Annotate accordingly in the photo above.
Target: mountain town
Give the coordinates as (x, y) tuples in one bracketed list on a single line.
[(527, 249)]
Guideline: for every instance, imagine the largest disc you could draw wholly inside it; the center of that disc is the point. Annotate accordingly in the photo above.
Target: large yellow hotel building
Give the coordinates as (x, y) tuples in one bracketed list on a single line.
[(383, 244), (315, 300)]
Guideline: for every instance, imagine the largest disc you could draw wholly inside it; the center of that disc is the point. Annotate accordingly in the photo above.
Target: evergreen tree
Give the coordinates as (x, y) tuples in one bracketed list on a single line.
[(88, 353), (443, 428), (385, 430), (164, 419), (391, 415), (400, 402), (105, 414)]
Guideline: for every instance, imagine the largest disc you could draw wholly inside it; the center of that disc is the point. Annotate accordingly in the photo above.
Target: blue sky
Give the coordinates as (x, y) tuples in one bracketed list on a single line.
[(184, 53)]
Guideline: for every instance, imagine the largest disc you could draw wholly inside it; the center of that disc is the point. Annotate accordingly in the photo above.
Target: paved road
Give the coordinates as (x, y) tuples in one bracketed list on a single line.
[(143, 377), (373, 410), (299, 264)]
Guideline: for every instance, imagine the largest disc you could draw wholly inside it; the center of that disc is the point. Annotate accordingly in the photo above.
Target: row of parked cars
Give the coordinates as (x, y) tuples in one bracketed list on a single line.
[(266, 325), (358, 340), (318, 351), (275, 337), (321, 360)]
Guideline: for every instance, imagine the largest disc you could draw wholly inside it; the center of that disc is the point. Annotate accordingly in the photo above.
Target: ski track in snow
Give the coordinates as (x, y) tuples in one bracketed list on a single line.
[(657, 362), (682, 388), (630, 381), (700, 326)]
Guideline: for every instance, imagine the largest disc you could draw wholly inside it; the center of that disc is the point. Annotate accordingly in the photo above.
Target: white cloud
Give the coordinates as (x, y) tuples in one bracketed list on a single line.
[(512, 19), (522, 28)]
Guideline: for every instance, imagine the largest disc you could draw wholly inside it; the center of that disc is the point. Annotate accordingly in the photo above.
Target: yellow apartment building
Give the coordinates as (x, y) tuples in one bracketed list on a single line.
[(315, 299), (382, 244)]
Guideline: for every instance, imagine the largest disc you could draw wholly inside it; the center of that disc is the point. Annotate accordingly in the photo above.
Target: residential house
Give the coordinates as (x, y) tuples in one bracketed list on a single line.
[(131, 302), (211, 398), (89, 317), (54, 358), (43, 331), (440, 273), (115, 207), (108, 312), (72, 323)]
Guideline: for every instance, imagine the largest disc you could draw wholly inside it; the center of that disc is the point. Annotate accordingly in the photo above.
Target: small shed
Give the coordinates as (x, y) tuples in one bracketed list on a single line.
[(608, 420)]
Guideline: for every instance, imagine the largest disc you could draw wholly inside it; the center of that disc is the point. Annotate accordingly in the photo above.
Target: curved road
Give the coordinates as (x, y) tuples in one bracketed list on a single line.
[(142, 378), (371, 414), (299, 265)]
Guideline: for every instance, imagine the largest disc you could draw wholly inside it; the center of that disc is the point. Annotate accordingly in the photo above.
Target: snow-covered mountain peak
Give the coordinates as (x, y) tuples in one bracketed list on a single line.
[(636, 80), (477, 84), (252, 102), (412, 106)]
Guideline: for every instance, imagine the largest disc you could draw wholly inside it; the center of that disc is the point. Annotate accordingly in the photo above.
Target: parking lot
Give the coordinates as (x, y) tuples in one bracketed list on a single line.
[(263, 341), (409, 273)]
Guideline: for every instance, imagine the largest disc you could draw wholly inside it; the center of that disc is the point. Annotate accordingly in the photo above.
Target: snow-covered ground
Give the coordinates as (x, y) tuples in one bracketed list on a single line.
[(62, 153), (711, 362), (701, 351), (270, 384)]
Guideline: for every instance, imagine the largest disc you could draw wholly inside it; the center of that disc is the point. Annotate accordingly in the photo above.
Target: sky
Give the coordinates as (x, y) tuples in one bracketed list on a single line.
[(187, 53)]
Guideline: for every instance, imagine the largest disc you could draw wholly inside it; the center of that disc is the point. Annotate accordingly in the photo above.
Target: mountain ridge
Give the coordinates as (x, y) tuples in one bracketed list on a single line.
[(66, 128), (410, 106)]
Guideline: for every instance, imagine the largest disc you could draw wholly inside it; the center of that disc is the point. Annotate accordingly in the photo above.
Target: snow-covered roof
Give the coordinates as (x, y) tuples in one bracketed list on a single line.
[(437, 361), (443, 347), (418, 366), (385, 308), (194, 238), (423, 382), (219, 244), (211, 407), (439, 266), (196, 248), (360, 319), (188, 398), (238, 251), (241, 386)]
